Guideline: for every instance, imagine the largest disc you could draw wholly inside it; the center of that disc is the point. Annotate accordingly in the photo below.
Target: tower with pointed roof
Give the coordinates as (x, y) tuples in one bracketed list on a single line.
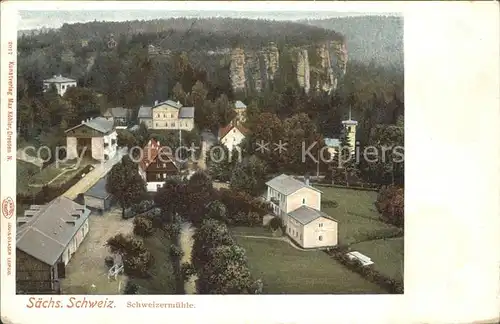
[(350, 131)]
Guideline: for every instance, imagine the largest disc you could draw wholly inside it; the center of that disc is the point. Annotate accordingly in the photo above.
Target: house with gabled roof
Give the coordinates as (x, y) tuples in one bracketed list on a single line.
[(61, 83), (298, 204), (232, 136), (47, 237), (120, 115), (94, 137), (167, 115), (157, 165)]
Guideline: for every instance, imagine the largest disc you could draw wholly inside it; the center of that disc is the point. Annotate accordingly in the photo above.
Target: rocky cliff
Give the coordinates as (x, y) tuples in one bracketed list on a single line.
[(317, 66)]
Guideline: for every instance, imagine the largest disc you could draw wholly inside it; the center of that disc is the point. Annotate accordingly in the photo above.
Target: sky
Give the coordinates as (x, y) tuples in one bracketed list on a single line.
[(55, 14)]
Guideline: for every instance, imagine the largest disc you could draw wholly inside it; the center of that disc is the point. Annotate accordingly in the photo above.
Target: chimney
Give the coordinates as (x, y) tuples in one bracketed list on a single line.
[(306, 180), (83, 121), (55, 76), (156, 102), (178, 102)]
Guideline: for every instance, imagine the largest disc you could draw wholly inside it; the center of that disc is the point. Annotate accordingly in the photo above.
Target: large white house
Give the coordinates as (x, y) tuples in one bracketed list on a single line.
[(299, 206), (232, 135), (61, 83), (95, 138), (167, 115)]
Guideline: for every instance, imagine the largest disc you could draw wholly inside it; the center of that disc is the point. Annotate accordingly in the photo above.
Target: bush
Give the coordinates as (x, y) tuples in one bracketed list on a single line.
[(143, 226), (172, 230), (137, 265), (187, 270), (109, 261), (130, 288), (275, 223), (142, 207), (125, 244), (176, 251), (390, 203), (330, 203)]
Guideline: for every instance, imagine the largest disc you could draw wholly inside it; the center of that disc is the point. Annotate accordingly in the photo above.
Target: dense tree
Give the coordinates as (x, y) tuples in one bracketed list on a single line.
[(172, 199), (226, 273), (125, 183), (249, 176), (220, 163), (199, 192), (210, 234)]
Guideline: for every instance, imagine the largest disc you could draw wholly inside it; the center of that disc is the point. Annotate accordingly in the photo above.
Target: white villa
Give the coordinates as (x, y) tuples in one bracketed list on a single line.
[(167, 115), (95, 138), (61, 83), (299, 205)]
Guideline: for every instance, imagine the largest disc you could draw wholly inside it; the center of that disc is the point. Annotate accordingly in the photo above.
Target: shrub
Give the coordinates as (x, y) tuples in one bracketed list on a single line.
[(109, 261), (172, 230), (187, 270), (137, 265), (275, 223), (142, 207), (390, 203), (130, 288), (125, 244), (176, 251), (143, 226), (330, 204)]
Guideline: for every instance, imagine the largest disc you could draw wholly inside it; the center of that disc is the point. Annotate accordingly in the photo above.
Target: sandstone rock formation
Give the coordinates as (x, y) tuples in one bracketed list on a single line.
[(237, 69), (252, 70)]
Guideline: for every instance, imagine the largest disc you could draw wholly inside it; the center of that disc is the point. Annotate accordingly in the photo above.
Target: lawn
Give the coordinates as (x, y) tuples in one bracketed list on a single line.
[(356, 213), (387, 255), (163, 279), (25, 171), (252, 231), (30, 178), (286, 270)]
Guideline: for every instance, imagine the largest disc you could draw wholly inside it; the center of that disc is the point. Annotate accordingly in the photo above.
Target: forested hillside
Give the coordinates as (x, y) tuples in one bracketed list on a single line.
[(369, 38), (186, 69)]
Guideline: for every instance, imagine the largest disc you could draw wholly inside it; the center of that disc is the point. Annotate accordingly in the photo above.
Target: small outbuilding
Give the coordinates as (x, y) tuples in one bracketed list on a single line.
[(97, 197)]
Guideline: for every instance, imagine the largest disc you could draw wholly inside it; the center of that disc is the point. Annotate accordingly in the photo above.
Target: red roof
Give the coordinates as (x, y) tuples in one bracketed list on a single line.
[(223, 131), (151, 152)]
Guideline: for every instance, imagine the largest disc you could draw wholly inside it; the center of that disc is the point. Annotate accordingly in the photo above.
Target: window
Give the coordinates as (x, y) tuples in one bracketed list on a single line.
[(173, 124), (320, 224), (320, 238), (158, 115), (164, 165), (163, 115), (156, 124), (164, 176), (106, 156), (158, 176), (63, 86), (300, 236), (303, 201)]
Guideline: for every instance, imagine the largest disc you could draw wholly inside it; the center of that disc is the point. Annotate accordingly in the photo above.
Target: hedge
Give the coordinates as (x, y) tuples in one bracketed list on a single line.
[(371, 188), (49, 193)]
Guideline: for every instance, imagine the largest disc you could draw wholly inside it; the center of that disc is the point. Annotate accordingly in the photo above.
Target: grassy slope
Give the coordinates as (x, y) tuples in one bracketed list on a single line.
[(356, 214), (387, 254), (284, 269)]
